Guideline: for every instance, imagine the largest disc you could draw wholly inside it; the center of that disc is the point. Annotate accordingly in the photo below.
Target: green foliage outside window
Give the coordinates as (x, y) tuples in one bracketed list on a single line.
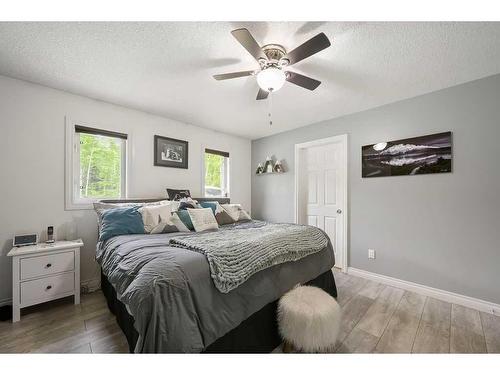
[(213, 170), (100, 166)]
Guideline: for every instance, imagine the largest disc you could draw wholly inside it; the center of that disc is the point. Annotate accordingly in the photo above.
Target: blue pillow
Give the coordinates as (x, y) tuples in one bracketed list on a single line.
[(212, 205), (185, 218), (120, 220)]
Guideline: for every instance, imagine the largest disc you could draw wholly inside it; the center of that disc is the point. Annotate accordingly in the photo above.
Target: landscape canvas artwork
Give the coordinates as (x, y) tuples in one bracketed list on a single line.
[(410, 156)]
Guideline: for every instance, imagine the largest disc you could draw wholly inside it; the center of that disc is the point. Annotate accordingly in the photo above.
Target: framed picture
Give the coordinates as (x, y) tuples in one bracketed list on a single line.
[(170, 152), (410, 156)]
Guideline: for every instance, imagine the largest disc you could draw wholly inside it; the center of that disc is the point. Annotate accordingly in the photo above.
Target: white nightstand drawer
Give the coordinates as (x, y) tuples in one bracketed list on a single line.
[(47, 265), (35, 291)]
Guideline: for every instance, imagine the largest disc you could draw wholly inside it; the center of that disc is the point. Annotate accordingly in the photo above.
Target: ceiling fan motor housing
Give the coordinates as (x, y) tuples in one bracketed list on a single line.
[(275, 54)]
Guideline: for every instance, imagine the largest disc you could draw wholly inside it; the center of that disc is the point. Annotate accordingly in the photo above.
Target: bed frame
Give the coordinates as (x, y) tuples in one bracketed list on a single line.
[(256, 334)]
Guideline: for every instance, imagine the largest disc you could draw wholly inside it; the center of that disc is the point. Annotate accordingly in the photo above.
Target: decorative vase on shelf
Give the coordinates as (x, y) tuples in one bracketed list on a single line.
[(268, 166), (278, 167), (260, 169)]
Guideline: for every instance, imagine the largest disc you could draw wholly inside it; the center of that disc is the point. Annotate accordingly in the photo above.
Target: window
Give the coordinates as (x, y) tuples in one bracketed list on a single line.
[(216, 182), (98, 166)]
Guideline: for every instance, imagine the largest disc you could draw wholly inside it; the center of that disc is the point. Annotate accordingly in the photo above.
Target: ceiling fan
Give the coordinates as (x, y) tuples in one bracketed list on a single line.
[(273, 59)]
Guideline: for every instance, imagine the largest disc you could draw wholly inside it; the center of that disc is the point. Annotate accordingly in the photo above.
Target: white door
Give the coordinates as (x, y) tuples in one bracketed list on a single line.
[(322, 168)]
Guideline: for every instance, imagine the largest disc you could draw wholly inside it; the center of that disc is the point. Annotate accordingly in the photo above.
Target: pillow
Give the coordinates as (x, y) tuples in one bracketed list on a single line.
[(176, 194), (203, 219), (186, 205), (153, 215), (171, 225), (185, 218), (236, 212), (221, 215), (120, 220), (100, 207)]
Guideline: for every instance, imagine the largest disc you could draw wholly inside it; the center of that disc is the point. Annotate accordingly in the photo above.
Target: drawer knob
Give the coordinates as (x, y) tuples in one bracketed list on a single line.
[(48, 265), (48, 287)]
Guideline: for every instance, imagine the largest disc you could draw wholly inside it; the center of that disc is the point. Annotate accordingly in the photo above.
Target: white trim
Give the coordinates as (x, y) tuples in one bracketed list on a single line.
[(71, 165), (5, 301), (343, 139), (443, 295)]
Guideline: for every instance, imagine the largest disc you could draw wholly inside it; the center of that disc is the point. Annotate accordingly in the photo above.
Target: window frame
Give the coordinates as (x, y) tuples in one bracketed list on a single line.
[(226, 182), (72, 164)]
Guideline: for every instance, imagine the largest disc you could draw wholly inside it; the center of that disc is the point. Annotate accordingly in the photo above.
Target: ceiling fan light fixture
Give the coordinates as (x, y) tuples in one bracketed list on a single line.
[(271, 79)]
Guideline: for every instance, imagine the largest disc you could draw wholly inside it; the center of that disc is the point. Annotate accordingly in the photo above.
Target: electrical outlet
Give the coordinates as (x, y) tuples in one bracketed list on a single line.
[(371, 254)]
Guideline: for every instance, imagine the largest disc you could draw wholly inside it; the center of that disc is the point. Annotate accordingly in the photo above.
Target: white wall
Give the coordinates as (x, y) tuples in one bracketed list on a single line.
[(32, 124)]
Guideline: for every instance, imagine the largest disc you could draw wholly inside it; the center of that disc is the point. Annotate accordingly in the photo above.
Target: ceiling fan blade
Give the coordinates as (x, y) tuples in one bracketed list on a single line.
[(309, 48), (220, 77), (302, 81), (248, 42), (262, 94)]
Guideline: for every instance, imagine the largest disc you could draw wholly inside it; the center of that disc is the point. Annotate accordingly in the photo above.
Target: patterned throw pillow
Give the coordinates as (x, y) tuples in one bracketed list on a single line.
[(236, 212), (221, 215), (171, 225), (152, 216), (202, 219), (178, 194), (185, 218)]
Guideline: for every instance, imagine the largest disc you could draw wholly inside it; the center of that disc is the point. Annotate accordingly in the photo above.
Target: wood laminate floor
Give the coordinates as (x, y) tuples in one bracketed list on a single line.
[(383, 319), (376, 319)]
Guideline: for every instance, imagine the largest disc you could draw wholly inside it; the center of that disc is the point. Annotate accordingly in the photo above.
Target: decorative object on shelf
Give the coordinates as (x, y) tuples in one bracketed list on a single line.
[(418, 155), (260, 169), (170, 152), (268, 166), (278, 167)]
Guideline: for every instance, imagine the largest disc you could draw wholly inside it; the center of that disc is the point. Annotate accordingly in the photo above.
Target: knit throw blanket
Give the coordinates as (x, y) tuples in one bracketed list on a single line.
[(235, 255)]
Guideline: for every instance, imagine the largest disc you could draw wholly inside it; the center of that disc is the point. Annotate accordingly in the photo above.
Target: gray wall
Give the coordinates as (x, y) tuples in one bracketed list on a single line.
[(438, 230)]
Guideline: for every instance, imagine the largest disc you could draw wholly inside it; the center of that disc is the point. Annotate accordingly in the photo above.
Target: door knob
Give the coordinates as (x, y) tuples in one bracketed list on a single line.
[(339, 211)]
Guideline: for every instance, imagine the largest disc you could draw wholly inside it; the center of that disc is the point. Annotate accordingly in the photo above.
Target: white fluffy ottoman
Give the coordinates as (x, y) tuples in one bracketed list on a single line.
[(309, 319)]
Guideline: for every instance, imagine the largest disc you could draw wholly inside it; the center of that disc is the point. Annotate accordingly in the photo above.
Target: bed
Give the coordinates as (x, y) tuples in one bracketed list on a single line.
[(165, 301)]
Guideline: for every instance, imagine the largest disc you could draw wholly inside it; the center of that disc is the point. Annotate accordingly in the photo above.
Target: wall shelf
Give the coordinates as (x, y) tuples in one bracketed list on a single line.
[(259, 174)]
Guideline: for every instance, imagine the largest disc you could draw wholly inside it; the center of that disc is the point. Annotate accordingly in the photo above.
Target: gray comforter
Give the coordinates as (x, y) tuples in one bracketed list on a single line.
[(174, 302)]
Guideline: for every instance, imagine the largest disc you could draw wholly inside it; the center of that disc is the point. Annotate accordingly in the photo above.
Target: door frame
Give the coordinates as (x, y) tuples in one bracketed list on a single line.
[(342, 139)]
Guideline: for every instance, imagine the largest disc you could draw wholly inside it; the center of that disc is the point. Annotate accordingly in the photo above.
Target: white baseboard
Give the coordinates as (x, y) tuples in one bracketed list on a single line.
[(6, 301), (443, 295)]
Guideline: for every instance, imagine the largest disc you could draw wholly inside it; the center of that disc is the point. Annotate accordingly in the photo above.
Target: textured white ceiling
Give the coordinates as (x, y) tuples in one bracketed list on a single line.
[(167, 68)]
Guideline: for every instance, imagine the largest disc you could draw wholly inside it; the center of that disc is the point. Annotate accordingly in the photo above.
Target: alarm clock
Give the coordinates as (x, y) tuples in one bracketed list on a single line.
[(25, 240)]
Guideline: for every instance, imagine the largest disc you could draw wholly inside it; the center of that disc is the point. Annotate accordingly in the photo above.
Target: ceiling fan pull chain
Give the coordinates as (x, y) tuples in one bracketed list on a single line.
[(270, 108)]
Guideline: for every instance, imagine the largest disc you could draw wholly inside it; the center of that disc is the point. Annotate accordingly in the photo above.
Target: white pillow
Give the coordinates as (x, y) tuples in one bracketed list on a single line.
[(203, 219), (236, 212)]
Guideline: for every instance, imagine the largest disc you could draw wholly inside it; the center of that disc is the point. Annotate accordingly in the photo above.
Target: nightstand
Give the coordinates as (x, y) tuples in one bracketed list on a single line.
[(44, 272)]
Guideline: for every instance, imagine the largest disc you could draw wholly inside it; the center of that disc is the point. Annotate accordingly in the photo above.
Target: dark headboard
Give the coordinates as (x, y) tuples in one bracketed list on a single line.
[(149, 200)]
